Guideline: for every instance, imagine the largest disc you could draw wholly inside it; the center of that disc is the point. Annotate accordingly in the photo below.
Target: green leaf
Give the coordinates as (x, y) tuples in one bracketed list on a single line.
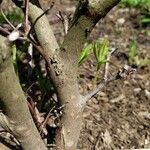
[(85, 53), (101, 50), (145, 20), (147, 32), (131, 3), (133, 50), (14, 16), (96, 48), (141, 4), (14, 53), (104, 51), (140, 62), (137, 60)]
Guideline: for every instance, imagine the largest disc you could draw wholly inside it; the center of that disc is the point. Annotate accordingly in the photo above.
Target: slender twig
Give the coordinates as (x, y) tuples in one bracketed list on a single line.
[(32, 27), (31, 106), (26, 24), (6, 19), (31, 38), (99, 88), (38, 117), (65, 22), (29, 88), (107, 63), (105, 80), (123, 73), (41, 51), (43, 124)]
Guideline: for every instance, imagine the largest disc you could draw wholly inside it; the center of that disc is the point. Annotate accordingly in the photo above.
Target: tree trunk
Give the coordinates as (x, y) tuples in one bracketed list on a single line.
[(17, 118)]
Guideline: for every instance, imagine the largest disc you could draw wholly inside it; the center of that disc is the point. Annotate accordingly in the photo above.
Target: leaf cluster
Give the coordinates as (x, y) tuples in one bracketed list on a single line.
[(100, 50)]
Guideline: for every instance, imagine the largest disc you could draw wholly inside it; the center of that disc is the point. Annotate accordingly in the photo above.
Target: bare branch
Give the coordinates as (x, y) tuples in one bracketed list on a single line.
[(26, 24), (123, 73), (64, 70), (106, 71), (11, 94), (43, 30), (105, 80), (44, 123), (65, 21), (32, 27), (99, 88)]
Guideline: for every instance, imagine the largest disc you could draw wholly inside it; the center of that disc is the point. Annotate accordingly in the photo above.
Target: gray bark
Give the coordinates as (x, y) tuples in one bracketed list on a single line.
[(63, 69), (16, 119)]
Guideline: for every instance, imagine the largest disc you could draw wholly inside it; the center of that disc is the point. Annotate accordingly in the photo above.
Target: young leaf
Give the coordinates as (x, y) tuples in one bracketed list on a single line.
[(140, 62), (133, 50), (14, 53), (104, 51), (85, 53), (145, 20), (101, 51), (96, 47)]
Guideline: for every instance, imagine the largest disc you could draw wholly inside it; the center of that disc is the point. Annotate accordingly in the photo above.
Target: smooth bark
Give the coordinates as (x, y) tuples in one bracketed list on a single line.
[(16, 117)]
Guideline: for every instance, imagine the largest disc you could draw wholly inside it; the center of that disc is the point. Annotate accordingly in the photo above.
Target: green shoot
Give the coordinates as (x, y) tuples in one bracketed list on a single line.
[(134, 58), (101, 50), (147, 32), (14, 55), (145, 20), (141, 62), (16, 16), (142, 4), (133, 51), (84, 54)]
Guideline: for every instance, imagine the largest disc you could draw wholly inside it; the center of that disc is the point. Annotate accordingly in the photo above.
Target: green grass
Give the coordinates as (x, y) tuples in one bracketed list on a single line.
[(15, 16), (134, 55), (141, 4)]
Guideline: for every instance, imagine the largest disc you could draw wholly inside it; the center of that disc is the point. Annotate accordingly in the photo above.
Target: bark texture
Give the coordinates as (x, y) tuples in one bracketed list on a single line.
[(16, 117), (63, 65), (63, 69)]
